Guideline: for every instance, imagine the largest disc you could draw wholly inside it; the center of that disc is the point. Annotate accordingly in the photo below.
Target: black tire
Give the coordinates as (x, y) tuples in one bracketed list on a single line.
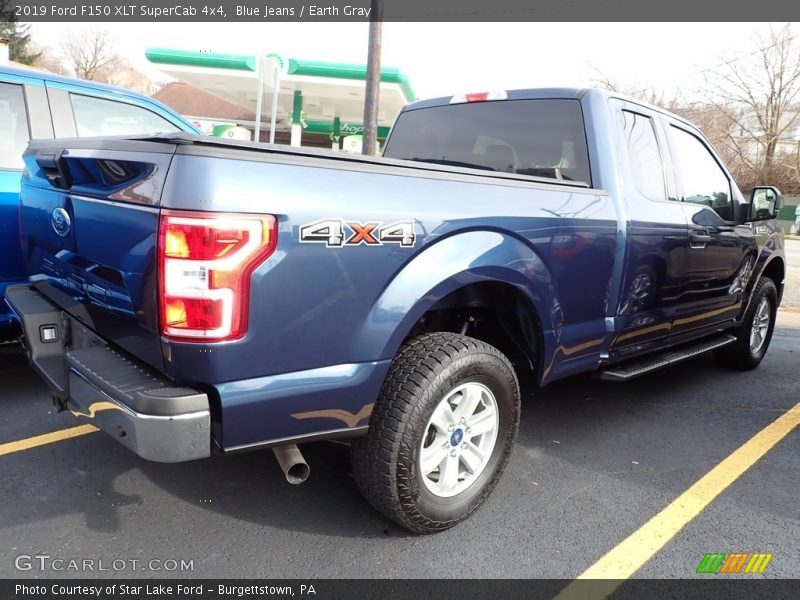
[(385, 462), (739, 354)]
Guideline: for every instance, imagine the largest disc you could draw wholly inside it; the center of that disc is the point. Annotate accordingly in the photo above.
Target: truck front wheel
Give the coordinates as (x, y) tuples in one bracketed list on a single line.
[(755, 332), (440, 433)]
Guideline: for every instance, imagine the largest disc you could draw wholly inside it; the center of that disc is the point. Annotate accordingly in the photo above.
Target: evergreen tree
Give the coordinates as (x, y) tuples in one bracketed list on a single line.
[(6, 12), (19, 39)]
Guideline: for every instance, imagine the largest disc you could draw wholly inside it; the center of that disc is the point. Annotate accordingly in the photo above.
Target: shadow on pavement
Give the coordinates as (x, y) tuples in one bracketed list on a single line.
[(662, 430)]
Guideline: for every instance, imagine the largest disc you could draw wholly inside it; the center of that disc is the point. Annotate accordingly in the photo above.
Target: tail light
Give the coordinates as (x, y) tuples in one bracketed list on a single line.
[(205, 264), (479, 97)]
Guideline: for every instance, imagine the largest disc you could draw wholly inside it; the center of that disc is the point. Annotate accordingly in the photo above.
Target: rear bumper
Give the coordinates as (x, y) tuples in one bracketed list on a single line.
[(140, 408), (9, 329)]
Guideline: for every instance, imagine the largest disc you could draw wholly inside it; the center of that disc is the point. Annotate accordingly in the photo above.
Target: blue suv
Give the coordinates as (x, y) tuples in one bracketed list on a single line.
[(40, 105)]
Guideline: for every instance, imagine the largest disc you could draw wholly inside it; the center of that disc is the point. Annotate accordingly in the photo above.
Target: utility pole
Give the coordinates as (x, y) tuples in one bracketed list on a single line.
[(260, 97), (372, 92)]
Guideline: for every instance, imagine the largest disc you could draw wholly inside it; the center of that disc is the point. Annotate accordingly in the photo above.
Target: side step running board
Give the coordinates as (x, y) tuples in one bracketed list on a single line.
[(640, 366)]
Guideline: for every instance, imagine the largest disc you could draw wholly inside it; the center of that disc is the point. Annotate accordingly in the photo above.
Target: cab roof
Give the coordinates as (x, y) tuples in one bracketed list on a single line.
[(593, 94)]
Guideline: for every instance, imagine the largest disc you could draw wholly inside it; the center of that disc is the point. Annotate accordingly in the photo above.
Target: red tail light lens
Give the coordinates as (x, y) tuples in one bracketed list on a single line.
[(187, 240), (205, 264)]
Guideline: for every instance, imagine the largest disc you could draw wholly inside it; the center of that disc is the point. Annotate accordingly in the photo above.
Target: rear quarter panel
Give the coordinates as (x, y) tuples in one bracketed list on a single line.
[(325, 323), (314, 306)]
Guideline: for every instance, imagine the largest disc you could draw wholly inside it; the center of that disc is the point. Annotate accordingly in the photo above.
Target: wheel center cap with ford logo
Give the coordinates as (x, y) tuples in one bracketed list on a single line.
[(61, 221), (456, 437)]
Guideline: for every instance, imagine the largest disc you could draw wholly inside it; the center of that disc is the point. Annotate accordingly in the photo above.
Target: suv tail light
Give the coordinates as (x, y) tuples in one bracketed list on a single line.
[(205, 264)]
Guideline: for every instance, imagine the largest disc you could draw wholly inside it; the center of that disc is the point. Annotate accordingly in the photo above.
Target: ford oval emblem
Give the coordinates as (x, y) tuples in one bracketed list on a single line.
[(61, 221)]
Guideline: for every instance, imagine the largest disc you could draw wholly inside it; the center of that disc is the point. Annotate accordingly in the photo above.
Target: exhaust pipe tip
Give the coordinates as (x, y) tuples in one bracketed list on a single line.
[(297, 473), (294, 466)]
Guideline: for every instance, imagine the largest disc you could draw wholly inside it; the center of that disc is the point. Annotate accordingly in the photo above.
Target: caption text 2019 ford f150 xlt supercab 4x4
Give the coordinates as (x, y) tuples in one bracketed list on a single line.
[(191, 295)]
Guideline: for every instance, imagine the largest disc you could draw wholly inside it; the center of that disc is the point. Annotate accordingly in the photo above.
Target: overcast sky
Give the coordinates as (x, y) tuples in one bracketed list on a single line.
[(446, 58)]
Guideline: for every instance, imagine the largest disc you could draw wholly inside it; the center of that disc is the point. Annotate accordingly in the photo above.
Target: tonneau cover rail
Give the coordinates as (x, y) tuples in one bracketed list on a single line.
[(171, 142)]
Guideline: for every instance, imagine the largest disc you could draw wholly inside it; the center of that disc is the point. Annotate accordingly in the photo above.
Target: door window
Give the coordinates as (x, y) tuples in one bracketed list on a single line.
[(99, 116), (644, 156), (14, 134), (704, 181)]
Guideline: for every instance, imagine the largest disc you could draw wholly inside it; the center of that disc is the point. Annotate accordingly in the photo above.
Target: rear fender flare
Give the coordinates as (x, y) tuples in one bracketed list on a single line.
[(447, 265)]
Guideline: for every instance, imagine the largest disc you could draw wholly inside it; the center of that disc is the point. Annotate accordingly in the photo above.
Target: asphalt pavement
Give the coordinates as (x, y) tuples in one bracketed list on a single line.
[(594, 461)]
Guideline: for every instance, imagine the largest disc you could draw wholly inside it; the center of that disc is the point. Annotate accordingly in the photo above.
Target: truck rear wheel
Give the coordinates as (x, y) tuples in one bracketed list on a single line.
[(440, 433), (755, 332)]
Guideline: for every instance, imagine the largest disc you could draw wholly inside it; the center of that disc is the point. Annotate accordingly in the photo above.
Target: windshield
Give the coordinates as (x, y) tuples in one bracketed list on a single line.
[(543, 137)]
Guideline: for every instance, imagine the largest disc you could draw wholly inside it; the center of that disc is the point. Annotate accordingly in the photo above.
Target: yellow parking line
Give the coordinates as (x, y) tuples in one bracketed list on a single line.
[(634, 551), (46, 438)]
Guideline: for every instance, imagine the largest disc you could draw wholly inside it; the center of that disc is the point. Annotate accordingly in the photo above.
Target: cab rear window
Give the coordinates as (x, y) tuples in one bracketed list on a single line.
[(543, 138)]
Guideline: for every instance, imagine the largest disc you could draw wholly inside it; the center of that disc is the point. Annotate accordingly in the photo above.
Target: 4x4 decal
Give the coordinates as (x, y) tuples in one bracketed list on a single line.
[(337, 233)]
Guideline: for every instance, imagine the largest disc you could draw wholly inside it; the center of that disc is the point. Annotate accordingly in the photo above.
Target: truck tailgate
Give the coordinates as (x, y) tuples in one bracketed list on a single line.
[(89, 230)]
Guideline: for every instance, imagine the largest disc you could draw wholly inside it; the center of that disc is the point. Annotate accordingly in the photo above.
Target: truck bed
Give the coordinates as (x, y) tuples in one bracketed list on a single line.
[(333, 316)]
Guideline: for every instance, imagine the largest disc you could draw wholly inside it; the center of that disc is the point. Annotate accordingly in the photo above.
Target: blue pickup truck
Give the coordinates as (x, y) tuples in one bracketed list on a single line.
[(36, 104), (192, 295)]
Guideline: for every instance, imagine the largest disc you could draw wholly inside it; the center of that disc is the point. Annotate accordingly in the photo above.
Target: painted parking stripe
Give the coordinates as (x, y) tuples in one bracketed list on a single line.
[(46, 438), (633, 552)]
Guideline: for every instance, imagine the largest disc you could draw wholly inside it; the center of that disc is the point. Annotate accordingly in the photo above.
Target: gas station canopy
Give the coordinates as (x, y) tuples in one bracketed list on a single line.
[(326, 90)]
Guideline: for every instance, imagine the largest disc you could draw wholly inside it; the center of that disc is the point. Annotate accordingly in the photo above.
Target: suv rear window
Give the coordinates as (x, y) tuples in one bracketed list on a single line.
[(99, 116), (543, 137)]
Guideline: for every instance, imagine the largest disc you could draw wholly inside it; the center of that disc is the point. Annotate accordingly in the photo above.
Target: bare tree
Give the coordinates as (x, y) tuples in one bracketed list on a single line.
[(91, 54), (49, 60), (125, 76), (715, 124), (751, 110), (650, 95), (759, 94)]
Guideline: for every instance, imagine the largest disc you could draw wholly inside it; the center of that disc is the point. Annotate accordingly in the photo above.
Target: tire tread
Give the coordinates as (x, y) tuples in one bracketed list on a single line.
[(737, 355), (375, 457)]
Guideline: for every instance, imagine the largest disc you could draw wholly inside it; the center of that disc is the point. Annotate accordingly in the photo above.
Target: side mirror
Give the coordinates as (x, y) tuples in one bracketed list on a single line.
[(765, 203)]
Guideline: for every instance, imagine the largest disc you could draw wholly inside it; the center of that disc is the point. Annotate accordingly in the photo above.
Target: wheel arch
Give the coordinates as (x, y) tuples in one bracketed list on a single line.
[(775, 269), (494, 312), (466, 270)]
